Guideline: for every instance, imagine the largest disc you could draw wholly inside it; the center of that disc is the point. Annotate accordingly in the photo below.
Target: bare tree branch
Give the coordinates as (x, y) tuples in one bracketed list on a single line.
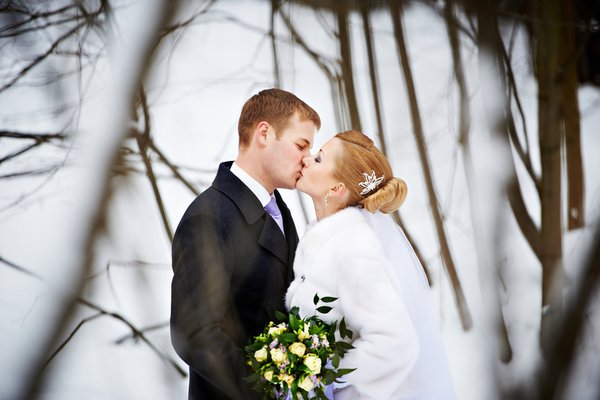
[(459, 297), (364, 11), (276, 71), (368, 37), (136, 333), (42, 137), (41, 57), (346, 64), (464, 129), (325, 66), (172, 167), (136, 69), (142, 140)]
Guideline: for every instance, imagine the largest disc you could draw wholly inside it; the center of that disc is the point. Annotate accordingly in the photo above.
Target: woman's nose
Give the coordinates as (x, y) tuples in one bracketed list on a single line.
[(306, 161)]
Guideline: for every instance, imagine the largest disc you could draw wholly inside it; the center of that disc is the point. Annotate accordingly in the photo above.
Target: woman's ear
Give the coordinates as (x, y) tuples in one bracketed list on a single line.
[(338, 190)]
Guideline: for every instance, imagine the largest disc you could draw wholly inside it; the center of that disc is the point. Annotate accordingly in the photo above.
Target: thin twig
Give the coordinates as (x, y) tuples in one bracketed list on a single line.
[(142, 140), (138, 333)]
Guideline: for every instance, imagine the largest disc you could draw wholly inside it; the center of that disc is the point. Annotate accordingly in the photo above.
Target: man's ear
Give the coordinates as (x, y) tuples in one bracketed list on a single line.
[(261, 132)]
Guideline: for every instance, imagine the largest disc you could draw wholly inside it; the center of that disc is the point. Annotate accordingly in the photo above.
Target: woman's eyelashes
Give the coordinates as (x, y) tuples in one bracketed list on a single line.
[(318, 157)]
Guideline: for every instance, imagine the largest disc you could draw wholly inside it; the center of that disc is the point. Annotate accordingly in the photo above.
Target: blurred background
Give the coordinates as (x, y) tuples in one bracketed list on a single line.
[(114, 115)]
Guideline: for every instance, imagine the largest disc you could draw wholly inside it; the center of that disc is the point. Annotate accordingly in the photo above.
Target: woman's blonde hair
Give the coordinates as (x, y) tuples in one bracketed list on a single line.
[(359, 156)]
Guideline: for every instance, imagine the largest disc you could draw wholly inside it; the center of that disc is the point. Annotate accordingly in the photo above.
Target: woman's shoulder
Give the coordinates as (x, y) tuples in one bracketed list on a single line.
[(349, 233)]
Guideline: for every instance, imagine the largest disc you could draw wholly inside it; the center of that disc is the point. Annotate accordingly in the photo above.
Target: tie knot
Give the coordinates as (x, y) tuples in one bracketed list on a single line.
[(272, 207)]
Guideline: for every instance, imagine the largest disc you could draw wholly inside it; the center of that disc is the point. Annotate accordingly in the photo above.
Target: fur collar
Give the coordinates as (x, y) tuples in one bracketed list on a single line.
[(320, 231)]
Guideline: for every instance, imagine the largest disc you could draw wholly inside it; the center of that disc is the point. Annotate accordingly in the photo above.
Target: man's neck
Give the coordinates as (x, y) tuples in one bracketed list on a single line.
[(253, 168)]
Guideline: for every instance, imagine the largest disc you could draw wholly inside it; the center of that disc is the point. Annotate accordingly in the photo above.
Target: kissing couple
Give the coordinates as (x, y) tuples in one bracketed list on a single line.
[(237, 259)]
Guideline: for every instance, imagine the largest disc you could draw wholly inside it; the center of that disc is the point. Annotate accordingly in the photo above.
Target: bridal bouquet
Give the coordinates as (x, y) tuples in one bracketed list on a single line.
[(296, 358)]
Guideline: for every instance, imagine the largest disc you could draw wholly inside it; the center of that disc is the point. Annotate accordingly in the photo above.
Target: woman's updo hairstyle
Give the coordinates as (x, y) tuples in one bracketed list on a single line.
[(359, 156)]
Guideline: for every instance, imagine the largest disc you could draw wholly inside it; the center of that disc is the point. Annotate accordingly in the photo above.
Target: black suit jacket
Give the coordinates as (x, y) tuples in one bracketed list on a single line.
[(232, 266)]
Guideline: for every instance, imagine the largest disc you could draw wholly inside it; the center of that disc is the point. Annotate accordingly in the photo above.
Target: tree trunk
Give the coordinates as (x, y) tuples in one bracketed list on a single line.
[(570, 116), (547, 54), (346, 63)]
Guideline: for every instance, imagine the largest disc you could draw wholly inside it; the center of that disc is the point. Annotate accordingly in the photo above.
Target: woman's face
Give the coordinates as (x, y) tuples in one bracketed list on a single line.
[(317, 175)]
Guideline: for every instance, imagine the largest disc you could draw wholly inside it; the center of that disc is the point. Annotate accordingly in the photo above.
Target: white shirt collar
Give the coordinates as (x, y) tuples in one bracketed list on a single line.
[(259, 190)]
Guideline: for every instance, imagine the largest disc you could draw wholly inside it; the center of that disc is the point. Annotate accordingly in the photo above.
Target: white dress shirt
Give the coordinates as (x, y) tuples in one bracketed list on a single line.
[(259, 190)]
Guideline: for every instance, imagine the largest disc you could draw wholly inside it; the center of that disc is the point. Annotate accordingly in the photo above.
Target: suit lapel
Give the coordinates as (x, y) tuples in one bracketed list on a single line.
[(291, 236), (271, 238)]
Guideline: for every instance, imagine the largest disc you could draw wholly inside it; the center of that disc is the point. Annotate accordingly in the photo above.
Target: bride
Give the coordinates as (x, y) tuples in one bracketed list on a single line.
[(355, 252)]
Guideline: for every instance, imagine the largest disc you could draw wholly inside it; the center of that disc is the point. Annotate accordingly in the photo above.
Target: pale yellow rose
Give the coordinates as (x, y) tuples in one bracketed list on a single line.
[(298, 349), (278, 356), (277, 330), (261, 355), (313, 363), (303, 334), (268, 375), (306, 383), (289, 379)]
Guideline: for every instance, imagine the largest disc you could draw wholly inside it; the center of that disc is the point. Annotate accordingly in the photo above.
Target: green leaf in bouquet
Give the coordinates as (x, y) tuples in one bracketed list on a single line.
[(252, 347), (335, 361), (304, 395), (344, 331), (331, 333), (329, 376), (320, 393), (344, 371), (294, 322), (316, 299), (343, 347), (281, 317), (324, 309), (287, 338), (295, 311), (304, 368), (328, 299), (294, 388), (286, 388)]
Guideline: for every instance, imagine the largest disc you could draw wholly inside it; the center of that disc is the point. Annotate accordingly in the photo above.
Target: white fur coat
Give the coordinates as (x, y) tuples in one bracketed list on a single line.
[(341, 256)]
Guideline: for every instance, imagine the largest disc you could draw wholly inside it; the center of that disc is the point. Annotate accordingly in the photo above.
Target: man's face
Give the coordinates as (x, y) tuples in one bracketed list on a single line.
[(284, 155)]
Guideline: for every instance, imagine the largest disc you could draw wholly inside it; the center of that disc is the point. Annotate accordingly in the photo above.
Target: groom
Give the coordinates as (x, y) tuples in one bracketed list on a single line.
[(234, 247)]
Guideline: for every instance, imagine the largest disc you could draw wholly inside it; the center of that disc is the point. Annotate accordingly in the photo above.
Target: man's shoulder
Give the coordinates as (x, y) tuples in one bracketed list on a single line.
[(210, 202)]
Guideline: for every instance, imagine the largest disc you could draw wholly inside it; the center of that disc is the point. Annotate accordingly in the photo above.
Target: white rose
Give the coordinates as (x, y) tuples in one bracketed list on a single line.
[(278, 356), (313, 363), (298, 349), (277, 330), (268, 375), (306, 383), (261, 355)]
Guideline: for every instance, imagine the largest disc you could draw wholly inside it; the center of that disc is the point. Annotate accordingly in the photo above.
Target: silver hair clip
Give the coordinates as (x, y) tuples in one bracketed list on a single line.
[(370, 183)]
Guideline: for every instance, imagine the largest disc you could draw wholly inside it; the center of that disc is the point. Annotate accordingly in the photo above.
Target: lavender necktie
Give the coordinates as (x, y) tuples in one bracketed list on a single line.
[(274, 212)]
